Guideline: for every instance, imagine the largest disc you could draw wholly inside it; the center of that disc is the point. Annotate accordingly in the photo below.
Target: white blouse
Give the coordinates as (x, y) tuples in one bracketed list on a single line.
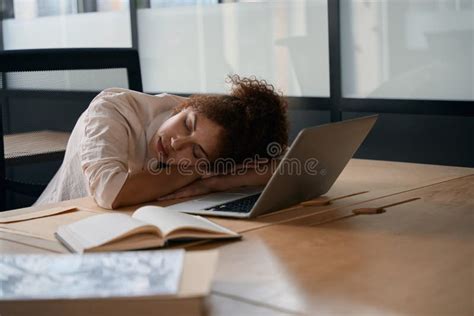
[(109, 141)]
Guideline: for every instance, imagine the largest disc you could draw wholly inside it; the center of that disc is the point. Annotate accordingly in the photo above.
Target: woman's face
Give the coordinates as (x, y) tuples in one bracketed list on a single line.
[(186, 137)]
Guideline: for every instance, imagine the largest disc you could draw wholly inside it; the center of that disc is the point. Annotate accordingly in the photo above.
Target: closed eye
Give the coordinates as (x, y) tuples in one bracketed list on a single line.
[(198, 152), (186, 125), (190, 124), (195, 152)]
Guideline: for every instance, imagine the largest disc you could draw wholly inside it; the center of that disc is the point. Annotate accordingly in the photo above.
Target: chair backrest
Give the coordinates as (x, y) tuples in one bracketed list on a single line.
[(49, 89)]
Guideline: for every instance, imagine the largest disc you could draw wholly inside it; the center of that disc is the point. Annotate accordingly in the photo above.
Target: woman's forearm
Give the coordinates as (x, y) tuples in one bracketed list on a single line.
[(259, 175), (248, 178), (145, 187)]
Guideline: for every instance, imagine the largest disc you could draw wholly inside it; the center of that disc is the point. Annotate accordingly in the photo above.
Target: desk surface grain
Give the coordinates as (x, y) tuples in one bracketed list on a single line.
[(380, 178), (414, 259), (417, 258)]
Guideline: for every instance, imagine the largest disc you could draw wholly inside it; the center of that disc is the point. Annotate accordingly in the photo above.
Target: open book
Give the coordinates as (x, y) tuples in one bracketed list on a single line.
[(148, 227)]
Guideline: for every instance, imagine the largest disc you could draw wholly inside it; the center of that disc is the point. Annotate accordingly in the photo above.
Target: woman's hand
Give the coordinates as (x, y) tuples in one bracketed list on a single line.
[(242, 175), (238, 169), (198, 187)]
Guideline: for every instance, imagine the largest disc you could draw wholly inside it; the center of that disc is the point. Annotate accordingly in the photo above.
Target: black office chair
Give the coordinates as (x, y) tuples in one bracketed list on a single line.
[(42, 94)]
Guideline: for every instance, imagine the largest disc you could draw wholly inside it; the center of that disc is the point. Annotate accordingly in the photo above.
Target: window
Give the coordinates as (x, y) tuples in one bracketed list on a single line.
[(408, 49), (67, 23), (190, 46)]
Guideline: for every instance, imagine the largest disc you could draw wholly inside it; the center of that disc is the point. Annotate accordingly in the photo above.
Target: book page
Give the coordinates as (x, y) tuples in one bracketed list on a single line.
[(104, 275), (101, 229), (170, 220)]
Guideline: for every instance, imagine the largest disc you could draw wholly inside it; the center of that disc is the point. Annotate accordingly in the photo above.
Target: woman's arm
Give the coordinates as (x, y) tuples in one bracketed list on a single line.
[(247, 177), (144, 187), (104, 154)]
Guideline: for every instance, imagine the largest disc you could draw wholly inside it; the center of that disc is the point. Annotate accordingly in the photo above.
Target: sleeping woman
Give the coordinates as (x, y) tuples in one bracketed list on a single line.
[(124, 138)]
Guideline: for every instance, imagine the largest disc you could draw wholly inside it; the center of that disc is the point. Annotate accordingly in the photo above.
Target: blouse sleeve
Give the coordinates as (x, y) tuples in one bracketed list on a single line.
[(104, 148)]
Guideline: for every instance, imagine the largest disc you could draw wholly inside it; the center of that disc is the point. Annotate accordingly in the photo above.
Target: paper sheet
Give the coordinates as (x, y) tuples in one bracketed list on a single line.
[(26, 214)]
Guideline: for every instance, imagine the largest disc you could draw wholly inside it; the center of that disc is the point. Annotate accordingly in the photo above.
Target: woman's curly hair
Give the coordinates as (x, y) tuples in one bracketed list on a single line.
[(253, 116)]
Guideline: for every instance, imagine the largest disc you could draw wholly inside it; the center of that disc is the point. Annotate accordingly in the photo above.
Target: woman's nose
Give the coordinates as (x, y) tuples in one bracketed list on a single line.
[(178, 142)]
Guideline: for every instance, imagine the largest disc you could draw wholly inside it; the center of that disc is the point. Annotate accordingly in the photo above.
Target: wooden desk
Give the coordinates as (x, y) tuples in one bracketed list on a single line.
[(380, 178), (414, 259)]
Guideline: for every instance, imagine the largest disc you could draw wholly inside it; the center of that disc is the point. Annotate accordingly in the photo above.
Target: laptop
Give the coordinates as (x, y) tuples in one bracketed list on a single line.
[(308, 169)]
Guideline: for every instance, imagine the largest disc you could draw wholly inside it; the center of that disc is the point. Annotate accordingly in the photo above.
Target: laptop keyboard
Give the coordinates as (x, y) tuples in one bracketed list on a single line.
[(243, 205)]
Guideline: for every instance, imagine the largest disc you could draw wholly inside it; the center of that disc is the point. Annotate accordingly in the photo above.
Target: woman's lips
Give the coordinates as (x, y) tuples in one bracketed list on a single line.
[(161, 148)]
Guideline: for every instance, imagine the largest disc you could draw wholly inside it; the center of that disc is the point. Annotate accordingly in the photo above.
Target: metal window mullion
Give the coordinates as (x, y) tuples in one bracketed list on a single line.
[(4, 103), (134, 23), (335, 82)]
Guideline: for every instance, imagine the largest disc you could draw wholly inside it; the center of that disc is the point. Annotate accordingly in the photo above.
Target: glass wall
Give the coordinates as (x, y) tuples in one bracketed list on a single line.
[(402, 49), (68, 80), (190, 46), (408, 49), (67, 23)]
